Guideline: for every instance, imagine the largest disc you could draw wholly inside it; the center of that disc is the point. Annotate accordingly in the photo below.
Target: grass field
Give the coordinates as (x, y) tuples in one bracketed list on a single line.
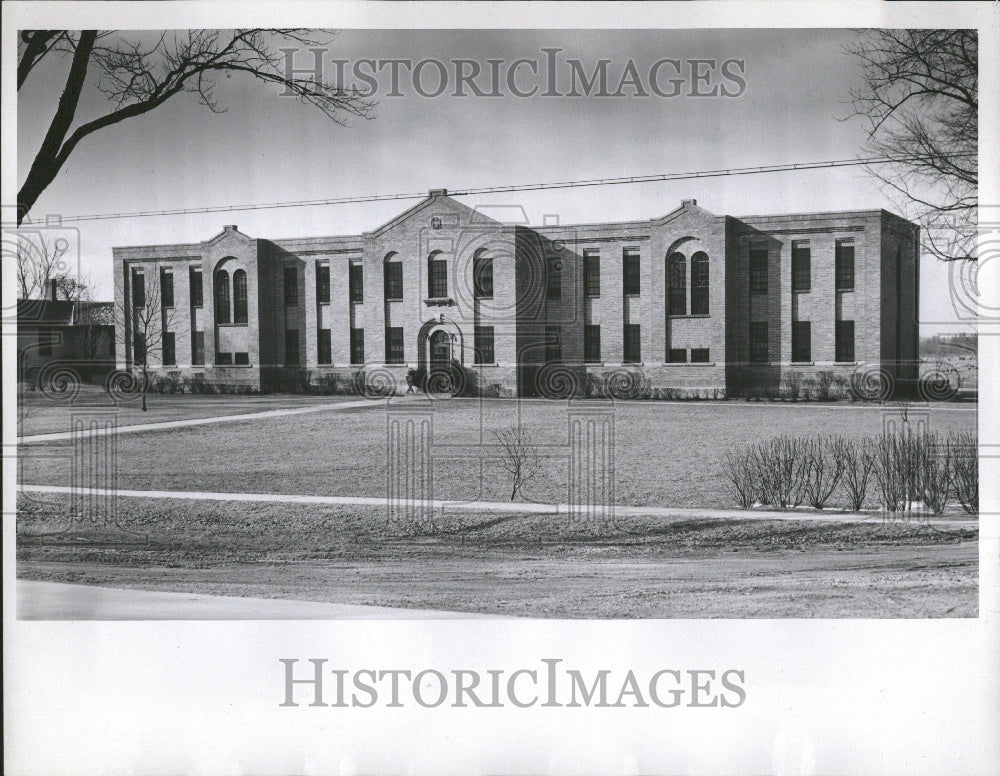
[(666, 454), (519, 565)]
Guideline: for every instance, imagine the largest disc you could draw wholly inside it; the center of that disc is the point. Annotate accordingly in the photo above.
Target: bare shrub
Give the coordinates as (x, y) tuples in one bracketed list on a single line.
[(963, 446), (824, 383), (518, 456), (792, 385), (741, 472), (780, 465), (934, 476), (857, 457), (888, 473), (822, 468)]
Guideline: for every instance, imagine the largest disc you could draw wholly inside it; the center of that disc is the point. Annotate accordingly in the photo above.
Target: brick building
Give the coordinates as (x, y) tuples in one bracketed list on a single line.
[(688, 303)]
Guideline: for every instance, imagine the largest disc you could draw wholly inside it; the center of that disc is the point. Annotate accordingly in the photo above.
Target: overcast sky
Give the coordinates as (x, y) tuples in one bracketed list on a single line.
[(266, 148)]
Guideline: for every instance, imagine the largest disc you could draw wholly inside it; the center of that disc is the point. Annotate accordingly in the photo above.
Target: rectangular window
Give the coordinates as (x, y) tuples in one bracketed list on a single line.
[(676, 285), (169, 349), (633, 348), (138, 288), (291, 286), (758, 343), (553, 344), (291, 347), (592, 343), (482, 277), (699, 284), (844, 260), (198, 348), (801, 271), (223, 359), (394, 345), (437, 278), (801, 341), (700, 356), (758, 270), (166, 288), (239, 296), (324, 347), (356, 280), (630, 271), (484, 345), (322, 284), (242, 359), (677, 356), (197, 289), (45, 344), (357, 346), (393, 281), (553, 278), (844, 348), (591, 273)]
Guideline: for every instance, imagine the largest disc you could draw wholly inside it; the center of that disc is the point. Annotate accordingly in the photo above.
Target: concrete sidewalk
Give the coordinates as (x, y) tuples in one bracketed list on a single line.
[(60, 436), (61, 601), (516, 507)]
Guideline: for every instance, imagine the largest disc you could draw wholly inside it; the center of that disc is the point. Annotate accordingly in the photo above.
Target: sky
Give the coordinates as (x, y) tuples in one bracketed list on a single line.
[(794, 107)]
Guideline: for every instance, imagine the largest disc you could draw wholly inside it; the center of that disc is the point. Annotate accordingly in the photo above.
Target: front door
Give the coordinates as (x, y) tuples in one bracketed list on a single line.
[(440, 350)]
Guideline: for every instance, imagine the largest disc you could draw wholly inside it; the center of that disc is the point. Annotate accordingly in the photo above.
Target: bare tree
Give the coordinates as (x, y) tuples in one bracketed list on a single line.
[(137, 74), (42, 258), (919, 94), (518, 456), (141, 321)]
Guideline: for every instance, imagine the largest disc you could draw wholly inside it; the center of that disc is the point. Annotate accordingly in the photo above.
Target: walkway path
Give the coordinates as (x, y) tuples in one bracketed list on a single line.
[(61, 601), (507, 506), (168, 424)]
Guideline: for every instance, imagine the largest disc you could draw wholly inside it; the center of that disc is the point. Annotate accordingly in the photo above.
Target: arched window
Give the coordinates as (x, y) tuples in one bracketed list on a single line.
[(222, 296), (437, 276), (392, 276), (676, 285), (699, 283), (239, 296)]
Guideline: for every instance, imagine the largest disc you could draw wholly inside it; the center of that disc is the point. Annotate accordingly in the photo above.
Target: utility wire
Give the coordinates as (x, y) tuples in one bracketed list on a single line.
[(874, 160)]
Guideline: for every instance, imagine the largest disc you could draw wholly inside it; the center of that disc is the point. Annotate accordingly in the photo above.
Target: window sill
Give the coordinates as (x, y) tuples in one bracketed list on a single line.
[(233, 366), (233, 325), (688, 363), (801, 290), (394, 299), (491, 364), (439, 301), (692, 315)]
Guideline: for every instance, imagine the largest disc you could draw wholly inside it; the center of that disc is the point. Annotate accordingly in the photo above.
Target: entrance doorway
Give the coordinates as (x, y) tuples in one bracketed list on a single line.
[(440, 350)]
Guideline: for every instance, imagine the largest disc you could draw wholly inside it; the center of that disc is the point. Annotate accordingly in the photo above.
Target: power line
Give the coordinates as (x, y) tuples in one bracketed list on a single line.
[(874, 160)]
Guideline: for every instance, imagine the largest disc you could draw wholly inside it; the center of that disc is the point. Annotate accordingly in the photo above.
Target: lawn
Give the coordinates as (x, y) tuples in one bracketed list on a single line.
[(41, 413), (666, 454), (523, 565)]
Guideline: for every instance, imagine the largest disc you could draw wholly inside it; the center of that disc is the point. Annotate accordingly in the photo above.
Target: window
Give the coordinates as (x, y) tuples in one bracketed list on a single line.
[(758, 270), (322, 284), (553, 278), (166, 288), (699, 284), (801, 341), (241, 359), (197, 289), (482, 277), (844, 347), (291, 347), (676, 285), (45, 344), (169, 349), (394, 345), (553, 344), (591, 273), (677, 356), (393, 280), (139, 348), (291, 286), (324, 347), (198, 348), (484, 345), (239, 296), (758, 343), (801, 271), (357, 346), (222, 296), (700, 356), (437, 278), (138, 288), (633, 349), (223, 359), (592, 343), (630, 270), (844, 260), (356, 281)]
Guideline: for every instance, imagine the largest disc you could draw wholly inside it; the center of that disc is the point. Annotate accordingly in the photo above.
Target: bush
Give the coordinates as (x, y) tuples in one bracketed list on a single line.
[(792, 385), (780, 465), (824, 385), (857, 458), (963, 447), (822, 468), (740, 470)]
